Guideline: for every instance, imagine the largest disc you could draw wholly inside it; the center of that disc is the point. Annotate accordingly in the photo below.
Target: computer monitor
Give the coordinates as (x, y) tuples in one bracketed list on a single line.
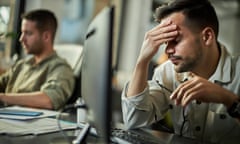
[(96, 72)]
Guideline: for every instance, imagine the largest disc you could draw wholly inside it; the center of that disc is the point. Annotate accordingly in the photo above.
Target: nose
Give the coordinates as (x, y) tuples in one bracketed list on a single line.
[(170, 49), (21, 38)]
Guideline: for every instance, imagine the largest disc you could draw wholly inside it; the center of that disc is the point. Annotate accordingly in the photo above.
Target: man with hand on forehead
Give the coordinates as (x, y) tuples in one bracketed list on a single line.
[(198, 84)]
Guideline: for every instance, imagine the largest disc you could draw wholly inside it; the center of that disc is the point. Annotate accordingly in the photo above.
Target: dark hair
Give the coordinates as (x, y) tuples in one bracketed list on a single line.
[(45, 20), (199, 13)]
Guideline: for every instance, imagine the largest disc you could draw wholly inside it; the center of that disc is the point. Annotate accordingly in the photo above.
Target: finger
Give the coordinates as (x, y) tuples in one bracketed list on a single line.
[(174, 95), (157, 43), (182, 91), (162, 37), (186, 100), (163, 30), (162, 24), (192, 94)]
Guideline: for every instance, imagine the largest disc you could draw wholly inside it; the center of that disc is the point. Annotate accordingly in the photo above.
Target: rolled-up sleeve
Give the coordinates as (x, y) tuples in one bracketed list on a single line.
[(143, 109), (59, 85)]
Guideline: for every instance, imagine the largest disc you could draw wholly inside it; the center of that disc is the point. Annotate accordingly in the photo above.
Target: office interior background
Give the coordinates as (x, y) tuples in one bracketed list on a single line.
[(132, 19)]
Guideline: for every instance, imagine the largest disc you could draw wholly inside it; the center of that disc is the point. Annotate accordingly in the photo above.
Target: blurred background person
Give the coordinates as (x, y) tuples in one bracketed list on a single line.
[(42, 80)]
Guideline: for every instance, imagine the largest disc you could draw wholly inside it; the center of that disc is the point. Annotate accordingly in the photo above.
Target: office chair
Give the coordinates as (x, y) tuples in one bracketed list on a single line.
[(73, 55)]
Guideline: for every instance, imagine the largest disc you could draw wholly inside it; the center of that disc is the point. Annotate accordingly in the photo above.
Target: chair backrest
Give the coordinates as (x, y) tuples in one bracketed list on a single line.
[(73, 55)]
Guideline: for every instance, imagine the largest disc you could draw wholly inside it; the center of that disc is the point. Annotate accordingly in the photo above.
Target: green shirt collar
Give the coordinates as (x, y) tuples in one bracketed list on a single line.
[(30, 60)]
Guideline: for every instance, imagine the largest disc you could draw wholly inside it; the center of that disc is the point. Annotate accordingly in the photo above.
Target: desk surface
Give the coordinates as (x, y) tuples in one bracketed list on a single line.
[(59, 138)]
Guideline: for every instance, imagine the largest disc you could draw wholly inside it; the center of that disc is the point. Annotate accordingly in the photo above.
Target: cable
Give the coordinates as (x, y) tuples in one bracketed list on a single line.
[(67, 107)]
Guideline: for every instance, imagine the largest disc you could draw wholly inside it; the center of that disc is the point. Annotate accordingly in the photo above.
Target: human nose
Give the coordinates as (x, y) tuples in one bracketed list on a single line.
[(21, 37), (169, 48)]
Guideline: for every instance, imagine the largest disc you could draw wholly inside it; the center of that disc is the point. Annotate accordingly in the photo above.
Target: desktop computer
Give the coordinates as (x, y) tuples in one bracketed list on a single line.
[(96, 73), (96, 85), (96, 125)]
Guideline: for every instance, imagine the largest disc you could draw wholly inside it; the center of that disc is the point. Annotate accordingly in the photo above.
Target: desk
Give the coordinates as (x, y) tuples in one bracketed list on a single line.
[(58, 137), (30, 139)]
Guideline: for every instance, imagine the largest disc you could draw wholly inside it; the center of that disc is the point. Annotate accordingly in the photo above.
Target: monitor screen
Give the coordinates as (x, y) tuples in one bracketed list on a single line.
[(97, 72)]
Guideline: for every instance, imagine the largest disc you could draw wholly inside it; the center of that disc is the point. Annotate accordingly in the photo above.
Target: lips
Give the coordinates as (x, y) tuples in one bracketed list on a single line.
[(174, 59)]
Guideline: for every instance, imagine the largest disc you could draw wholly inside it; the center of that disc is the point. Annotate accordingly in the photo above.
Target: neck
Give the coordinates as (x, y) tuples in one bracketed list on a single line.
[(42, 56), (209, 66)]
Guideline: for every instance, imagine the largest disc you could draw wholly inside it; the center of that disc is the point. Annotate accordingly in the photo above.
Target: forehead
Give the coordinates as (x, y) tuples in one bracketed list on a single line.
[(179, 20), (28, 25)]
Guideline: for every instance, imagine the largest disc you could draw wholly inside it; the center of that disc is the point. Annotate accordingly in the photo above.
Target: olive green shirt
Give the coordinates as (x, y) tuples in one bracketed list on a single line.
[(53, 76)]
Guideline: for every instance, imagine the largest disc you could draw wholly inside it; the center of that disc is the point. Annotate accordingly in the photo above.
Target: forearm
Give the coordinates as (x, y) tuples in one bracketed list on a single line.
[(138, 81), (33, 99)]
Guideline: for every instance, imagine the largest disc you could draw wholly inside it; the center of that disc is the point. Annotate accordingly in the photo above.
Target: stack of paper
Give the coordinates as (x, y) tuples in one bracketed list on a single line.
[(33, 127), (23, 125)]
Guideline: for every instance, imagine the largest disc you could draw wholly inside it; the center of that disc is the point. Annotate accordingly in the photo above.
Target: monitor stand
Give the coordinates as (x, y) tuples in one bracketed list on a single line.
[(81, 138)]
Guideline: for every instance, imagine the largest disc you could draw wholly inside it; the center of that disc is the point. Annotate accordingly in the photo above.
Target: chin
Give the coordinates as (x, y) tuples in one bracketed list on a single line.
[(180, 69)]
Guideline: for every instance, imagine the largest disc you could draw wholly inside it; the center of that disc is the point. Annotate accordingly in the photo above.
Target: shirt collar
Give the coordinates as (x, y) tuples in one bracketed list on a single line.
[(223, 71), (30, 60)]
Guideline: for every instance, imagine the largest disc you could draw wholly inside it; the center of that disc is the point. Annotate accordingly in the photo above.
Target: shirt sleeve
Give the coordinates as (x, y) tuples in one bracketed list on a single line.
[(59, 85), (9, 74), (145, 108), (153, 102), (3, 81)]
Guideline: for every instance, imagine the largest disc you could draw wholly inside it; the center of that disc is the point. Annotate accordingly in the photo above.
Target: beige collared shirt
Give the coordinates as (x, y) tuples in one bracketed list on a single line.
[(205, 121), (53, 76)]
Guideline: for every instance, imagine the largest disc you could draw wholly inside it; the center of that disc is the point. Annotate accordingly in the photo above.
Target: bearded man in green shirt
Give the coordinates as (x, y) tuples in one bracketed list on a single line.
[(43, 80)]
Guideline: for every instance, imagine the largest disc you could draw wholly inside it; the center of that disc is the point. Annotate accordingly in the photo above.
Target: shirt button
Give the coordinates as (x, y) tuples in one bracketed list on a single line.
[(222, 116), (170, 106), (197, 128)]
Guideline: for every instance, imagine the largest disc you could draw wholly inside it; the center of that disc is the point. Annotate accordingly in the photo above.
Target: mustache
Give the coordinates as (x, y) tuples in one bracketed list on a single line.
[(171, 56)]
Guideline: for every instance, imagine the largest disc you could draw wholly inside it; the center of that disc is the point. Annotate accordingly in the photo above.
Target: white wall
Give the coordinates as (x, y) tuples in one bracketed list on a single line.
[(136, 20), (229, 23), (72, 25)]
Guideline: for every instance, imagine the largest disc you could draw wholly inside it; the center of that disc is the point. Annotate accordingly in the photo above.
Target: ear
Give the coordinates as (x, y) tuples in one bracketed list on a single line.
[(46, 36), (208, 36)]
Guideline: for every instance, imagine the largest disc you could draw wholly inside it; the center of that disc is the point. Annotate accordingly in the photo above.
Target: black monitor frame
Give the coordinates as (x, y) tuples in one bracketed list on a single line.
[(96, 73)]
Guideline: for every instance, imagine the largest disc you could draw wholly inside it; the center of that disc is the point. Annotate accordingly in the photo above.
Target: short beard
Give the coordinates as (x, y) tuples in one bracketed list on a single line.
[(189, 63), (186, 66)]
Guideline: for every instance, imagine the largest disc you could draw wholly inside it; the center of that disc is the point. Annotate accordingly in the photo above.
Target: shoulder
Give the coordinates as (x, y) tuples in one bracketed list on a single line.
[(164, 71), (21, 62), (165, 67), (234, 59), (235, 62), (57, 61)]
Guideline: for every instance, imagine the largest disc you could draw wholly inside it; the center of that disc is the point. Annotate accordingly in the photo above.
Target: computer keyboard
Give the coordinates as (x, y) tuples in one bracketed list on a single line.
[(121, 136)]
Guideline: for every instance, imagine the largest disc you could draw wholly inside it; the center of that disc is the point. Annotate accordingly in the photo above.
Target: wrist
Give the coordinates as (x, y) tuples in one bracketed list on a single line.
[(229, 99), (234, 109)]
